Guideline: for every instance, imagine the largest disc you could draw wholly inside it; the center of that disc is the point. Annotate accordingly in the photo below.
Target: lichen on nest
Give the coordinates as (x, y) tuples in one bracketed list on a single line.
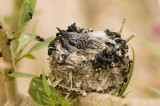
[(84, 61)]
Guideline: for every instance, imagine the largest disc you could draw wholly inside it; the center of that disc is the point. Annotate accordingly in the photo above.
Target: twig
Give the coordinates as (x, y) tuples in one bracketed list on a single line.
[(121, 29), (12, 94), (130, 37), (95, 99)]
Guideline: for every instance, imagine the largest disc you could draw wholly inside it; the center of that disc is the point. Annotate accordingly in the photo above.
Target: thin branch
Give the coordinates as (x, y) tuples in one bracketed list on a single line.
[(12, 93), (130, 37), (95, 99), (121, 29)]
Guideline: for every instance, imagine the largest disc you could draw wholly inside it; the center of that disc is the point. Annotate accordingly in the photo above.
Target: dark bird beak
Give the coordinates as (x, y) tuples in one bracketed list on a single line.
[(62, 32)]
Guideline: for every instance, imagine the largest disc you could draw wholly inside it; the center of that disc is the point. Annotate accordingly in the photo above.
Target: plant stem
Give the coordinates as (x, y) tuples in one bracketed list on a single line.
[(121, 29), (11, 84), (130, 37), (94, 99)]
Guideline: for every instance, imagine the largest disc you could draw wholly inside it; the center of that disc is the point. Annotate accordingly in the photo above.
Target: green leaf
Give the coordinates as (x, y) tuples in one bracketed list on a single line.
[(36, 85), (20, 74), (30, 56), (39, 99), (157, 91), (45, 84), (26, 12), (116, 93), (125, 85), (24, 39), (41, 45), (127, 93), (34, 27)]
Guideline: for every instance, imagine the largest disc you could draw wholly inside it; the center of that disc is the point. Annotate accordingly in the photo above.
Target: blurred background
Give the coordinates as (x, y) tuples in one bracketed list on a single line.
[(142, 18)]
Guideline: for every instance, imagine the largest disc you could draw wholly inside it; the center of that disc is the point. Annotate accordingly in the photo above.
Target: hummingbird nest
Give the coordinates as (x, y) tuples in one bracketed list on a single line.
[(84, 61)]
